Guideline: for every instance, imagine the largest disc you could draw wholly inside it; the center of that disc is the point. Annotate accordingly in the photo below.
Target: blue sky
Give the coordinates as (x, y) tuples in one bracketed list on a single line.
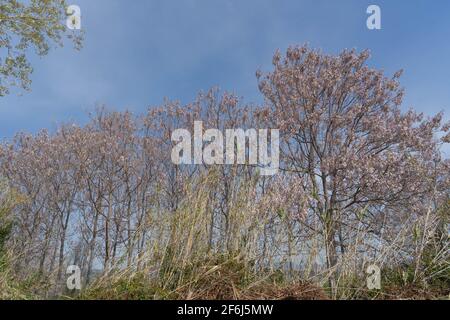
[(138, 52)]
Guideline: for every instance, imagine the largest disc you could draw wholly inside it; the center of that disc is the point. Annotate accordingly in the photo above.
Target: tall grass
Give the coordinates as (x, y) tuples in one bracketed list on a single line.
[(182, 264), (186, 258)]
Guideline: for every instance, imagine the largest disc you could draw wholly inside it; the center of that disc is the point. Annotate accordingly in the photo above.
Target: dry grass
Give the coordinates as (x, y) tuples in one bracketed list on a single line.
[(181, 264)]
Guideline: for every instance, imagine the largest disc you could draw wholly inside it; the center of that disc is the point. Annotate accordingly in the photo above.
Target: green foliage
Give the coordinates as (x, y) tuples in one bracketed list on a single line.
[(130, 287), (10, 287), (24, 25), (436, 268), (5, 230), (5, 223)]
